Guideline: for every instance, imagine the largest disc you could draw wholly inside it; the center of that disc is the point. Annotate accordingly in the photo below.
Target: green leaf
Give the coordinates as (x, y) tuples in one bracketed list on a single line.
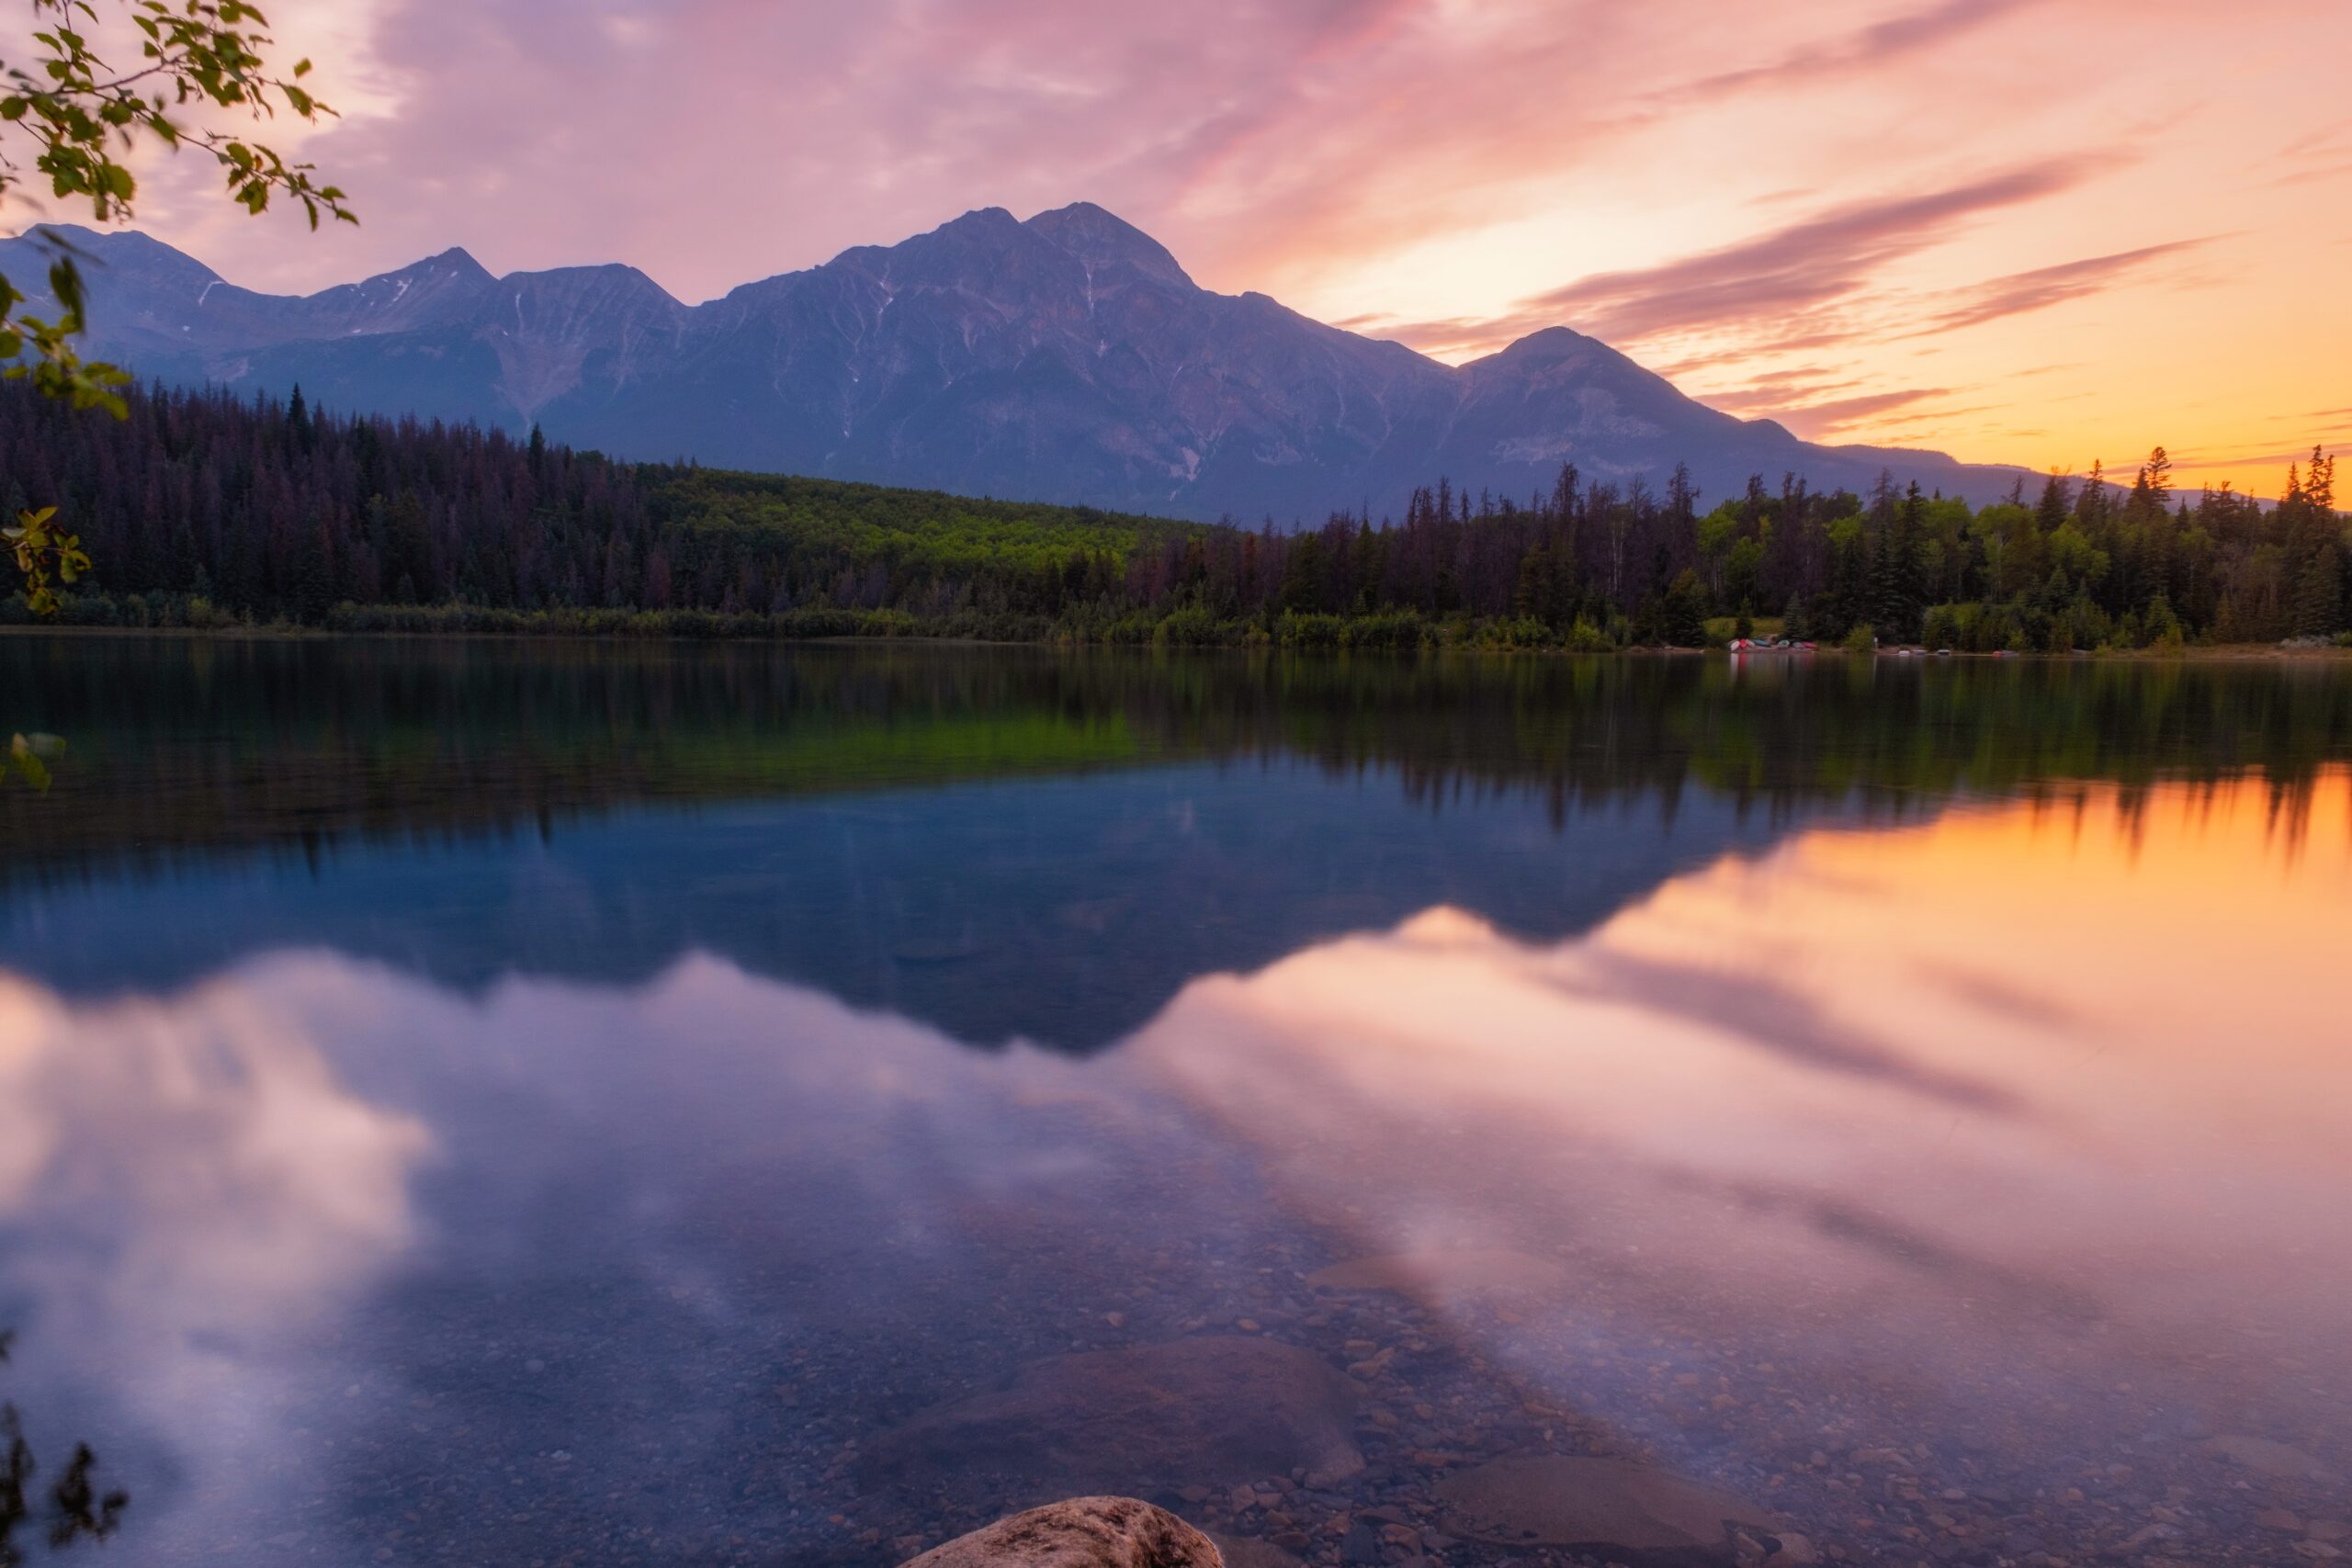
[(28, 763)]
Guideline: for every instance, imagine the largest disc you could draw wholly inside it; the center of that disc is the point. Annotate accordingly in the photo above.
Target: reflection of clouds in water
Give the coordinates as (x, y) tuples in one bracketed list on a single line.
[(206, 1153), (185, 1185), (1774, 1016), (706, 1066), (1957, 1084), (1766, 1090), (232, 1215)]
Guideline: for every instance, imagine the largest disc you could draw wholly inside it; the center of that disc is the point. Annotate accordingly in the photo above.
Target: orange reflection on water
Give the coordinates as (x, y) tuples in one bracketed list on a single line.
[(2057, 1095)]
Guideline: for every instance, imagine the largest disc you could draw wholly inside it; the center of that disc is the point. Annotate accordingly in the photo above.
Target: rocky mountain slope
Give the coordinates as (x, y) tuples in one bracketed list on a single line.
[(1066, 358)]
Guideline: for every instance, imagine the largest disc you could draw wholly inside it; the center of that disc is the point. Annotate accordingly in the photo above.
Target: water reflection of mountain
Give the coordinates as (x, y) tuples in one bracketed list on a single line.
[(1061, 911), (1093, 832)]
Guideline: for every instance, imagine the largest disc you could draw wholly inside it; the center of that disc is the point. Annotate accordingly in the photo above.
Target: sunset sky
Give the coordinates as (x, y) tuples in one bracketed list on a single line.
[(2038, 232)]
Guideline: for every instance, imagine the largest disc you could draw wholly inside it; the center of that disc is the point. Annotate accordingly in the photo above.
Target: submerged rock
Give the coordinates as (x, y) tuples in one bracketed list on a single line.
[(1467, 1271), (2281, 1461), (1605, 1506), (1213, 1410), (1248, 1552), (1083, 1532)]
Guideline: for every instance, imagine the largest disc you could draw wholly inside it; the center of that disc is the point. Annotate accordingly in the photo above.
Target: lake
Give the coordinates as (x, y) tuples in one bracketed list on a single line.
[(540, 1103)]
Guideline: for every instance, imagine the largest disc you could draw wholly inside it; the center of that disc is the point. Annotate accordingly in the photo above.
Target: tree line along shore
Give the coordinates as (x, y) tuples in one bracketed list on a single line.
[(206, 512)]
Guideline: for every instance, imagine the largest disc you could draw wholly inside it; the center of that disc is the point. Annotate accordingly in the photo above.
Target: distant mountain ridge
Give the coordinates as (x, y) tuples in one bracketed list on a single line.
[(1069, 359)]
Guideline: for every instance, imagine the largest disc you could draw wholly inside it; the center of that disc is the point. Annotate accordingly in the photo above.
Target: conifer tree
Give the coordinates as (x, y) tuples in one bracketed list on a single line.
[(2319, 595)]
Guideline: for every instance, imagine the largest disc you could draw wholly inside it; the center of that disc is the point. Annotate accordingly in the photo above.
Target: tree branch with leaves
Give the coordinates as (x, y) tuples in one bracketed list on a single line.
[(72, 121)]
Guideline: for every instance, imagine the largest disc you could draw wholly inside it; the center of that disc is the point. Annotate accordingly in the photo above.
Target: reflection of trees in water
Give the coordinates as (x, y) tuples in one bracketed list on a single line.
[(77, 1509), (200, 744)]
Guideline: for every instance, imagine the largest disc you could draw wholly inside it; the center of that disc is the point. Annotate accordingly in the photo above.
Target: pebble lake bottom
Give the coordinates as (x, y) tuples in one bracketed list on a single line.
[(471, 1103)]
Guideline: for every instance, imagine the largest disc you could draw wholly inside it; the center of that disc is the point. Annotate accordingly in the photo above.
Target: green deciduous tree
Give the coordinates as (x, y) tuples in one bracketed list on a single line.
[(43, 550)]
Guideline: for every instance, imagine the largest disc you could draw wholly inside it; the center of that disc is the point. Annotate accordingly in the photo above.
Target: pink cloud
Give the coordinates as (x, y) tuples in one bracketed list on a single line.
[(1813, 420), (1773, 394), (2255, 459), (1878, 45), (2044, 286), (1783, 285), (1796, 270)]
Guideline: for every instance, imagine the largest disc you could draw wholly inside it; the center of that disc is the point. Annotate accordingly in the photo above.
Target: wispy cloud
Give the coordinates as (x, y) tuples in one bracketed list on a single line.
[(2324, 139), (1780, 285), (2255, 459), (1795, 270), (1774, 392), (2044, 286), (1874, 46), (2321, 174), (1938, 416), (1815, 420)]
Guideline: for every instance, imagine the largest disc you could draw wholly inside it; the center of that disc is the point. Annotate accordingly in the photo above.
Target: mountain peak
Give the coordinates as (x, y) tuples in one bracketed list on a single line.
[(122, 249), (453, 268), (1100, 237), (617, 281), (1550, 343), (457, 263), (973, 244), (979, 222)]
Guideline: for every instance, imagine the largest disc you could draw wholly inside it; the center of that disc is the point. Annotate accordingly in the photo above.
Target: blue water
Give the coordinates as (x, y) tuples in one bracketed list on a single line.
[(532, 1104)]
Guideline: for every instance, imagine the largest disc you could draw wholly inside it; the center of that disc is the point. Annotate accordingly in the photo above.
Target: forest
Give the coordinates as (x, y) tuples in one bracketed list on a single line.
[(203, 510)]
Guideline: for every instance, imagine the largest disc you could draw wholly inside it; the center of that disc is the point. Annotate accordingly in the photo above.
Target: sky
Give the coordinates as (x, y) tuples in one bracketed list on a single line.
[(2041, 231)]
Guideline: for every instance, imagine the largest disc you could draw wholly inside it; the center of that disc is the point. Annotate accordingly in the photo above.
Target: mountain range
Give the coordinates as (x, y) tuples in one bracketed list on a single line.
[(1069, 359)]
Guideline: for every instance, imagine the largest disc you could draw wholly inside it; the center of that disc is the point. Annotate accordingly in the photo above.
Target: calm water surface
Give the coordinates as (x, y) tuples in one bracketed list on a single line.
[(493, 1104)]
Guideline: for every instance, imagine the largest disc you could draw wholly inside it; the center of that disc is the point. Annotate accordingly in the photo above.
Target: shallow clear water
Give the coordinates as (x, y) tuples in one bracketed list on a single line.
[(478, 1103)]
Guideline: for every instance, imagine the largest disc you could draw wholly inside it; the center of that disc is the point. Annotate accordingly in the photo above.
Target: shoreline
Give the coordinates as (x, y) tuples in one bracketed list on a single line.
[(2232, 653)]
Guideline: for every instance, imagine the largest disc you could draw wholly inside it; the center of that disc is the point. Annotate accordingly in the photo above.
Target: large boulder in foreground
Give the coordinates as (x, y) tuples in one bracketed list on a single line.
[(1084, 1532), (1211, 1411), (1607, 1507)]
